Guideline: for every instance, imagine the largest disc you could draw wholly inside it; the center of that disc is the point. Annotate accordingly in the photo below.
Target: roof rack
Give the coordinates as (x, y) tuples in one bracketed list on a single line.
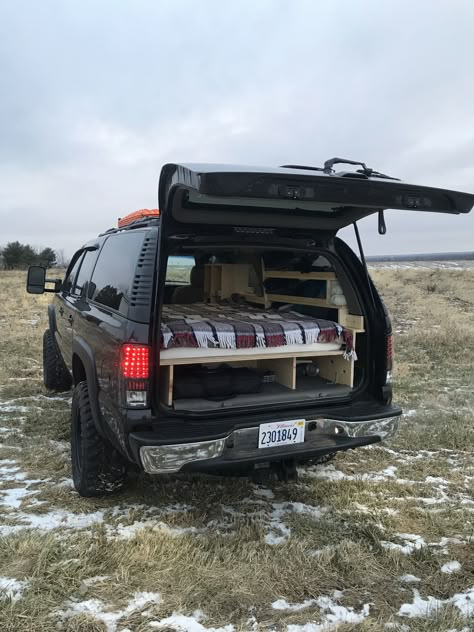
[(138, 219)]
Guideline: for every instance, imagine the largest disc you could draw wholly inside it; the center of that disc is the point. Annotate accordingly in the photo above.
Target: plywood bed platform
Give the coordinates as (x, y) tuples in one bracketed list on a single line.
[(190, 355)]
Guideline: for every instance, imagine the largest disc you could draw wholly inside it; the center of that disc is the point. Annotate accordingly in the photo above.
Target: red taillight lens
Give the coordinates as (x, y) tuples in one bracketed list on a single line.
[(390, 352), (135, 362)]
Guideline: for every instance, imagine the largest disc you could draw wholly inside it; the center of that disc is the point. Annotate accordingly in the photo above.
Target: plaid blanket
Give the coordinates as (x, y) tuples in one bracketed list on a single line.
[(225, 327)]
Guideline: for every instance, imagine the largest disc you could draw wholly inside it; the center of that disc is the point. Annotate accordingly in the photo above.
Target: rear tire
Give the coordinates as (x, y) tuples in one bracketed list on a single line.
[(56, 377), (98, 469)]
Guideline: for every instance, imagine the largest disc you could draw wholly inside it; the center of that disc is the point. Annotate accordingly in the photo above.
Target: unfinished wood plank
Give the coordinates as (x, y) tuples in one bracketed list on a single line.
[(300, 300), (350, 321), (336, 369), (258, 355), (166, 384), (284, 369), (253, 298), (235, 279), (294, 274)]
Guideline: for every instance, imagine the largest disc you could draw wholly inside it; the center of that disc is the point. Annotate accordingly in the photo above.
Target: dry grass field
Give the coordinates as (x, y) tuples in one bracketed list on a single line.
[(380, 539)]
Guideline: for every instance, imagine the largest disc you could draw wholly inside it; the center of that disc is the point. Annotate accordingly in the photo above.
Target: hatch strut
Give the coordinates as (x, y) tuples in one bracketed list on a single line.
[(364, 263)]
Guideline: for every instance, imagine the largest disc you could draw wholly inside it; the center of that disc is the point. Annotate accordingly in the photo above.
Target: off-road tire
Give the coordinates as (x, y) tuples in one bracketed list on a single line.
[(98, 469), (56, 377)]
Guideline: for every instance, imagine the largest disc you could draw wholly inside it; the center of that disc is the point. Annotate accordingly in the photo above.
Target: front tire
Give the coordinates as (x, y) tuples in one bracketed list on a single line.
[(56, 377), (98, 469)]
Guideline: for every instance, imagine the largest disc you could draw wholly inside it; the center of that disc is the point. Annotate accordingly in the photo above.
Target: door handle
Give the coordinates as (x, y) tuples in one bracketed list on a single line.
[(70, 318), (61, 311)]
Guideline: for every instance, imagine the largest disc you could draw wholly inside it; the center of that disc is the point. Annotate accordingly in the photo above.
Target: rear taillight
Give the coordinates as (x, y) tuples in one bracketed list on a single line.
[(134, 374), (389, 358)]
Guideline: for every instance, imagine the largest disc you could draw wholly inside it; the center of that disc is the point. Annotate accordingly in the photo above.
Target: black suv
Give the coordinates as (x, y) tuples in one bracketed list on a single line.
[(231, 331)]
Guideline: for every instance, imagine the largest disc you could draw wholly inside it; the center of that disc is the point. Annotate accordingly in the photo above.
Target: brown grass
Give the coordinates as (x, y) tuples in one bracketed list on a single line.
[(202, 542)]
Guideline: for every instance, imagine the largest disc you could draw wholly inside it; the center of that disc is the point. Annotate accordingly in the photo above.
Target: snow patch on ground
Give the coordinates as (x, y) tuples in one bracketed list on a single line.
[(97, 609), (278, 531), (265, 492), (451, 567), (12, 497), (411, 543), (98, 579), (422, 608), (333, 615), (127, 532), (330, 473), (409, 579), (56, 519), (187, 623), (282, 604), (11, 588)]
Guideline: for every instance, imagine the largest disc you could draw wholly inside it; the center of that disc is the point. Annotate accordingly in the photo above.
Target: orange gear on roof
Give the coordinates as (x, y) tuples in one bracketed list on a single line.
[(132, 217)]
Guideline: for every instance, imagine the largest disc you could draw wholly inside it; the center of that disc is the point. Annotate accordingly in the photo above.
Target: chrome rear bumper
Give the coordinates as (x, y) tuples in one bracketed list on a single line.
[(321, 435)]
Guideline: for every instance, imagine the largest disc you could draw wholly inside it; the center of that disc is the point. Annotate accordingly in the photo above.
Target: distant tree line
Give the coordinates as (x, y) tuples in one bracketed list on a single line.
[(17, 256)]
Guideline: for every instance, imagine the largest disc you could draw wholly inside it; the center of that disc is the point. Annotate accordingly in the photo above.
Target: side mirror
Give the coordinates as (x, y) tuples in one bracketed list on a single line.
[(36, 281)]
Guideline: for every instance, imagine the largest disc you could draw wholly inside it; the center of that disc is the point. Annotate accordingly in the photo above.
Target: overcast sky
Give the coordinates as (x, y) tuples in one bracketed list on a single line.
[(96, 96)]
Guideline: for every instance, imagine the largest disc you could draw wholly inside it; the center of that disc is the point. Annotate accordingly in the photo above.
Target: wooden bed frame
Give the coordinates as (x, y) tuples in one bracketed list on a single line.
[(221, 281)]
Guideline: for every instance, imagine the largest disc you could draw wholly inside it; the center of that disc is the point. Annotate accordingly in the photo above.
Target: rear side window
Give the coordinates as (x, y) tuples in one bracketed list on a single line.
[(85, 271), (178, 269), (112, 280), (71, 275)]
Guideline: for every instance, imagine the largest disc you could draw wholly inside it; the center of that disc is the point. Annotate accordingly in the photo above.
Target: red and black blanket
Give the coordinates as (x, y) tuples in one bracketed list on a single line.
[(225, 327)]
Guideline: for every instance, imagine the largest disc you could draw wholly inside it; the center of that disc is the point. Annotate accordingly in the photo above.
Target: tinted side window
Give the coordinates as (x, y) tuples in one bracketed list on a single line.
[(113, 275), (71, 274), (85, 271)]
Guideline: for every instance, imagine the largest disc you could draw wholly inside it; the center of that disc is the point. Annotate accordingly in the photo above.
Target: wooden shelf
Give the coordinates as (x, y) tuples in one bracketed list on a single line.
[(222, 280), (302, 276), (258, 355), (300, 300), (253, 298)]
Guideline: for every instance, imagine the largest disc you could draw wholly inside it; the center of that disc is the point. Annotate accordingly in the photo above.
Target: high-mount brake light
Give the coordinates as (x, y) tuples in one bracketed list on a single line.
[(136, 215), (134, 374)]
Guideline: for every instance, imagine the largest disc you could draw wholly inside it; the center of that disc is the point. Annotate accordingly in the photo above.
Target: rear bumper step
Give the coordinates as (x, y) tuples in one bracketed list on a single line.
[(240, 446)]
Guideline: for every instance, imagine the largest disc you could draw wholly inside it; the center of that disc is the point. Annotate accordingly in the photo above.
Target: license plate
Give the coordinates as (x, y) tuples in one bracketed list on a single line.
[(281, 433)]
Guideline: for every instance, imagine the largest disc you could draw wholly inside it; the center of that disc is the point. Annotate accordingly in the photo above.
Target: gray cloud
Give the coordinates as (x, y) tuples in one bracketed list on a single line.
[(95, 97)]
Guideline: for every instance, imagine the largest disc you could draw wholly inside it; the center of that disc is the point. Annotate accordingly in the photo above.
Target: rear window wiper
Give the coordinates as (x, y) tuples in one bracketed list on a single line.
[(329, 164), (367, 171), (306, 167)]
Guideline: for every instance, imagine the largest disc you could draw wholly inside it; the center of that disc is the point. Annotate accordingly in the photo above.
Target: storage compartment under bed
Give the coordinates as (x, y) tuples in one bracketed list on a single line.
[(309, 389), (281, 379)]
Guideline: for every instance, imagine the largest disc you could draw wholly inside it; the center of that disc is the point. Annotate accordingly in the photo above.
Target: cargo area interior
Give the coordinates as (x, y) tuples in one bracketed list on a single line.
[(229, 338)]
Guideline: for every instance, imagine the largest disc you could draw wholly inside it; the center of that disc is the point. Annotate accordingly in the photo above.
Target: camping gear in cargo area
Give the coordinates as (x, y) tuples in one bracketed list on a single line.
[(216, 383)]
